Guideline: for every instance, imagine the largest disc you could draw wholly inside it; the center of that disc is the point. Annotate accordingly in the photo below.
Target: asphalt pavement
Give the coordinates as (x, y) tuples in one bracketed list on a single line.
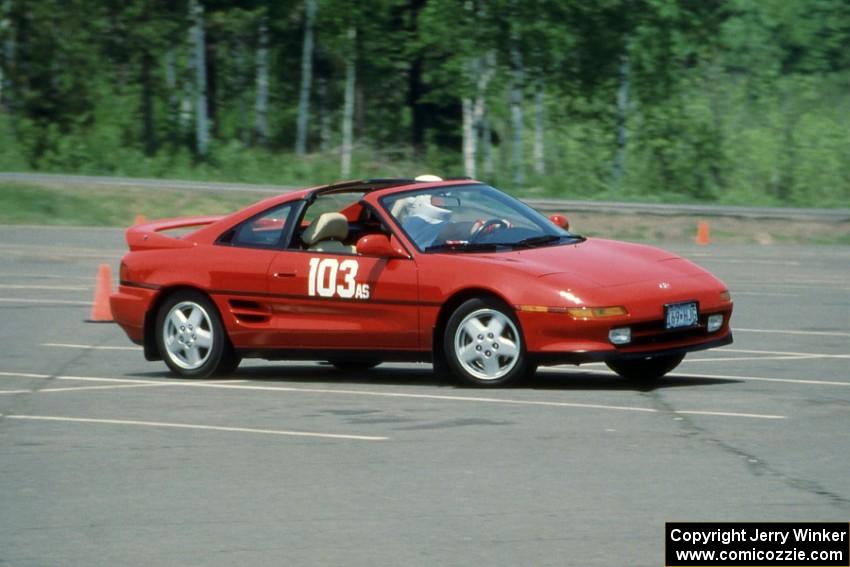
[(106, 460)]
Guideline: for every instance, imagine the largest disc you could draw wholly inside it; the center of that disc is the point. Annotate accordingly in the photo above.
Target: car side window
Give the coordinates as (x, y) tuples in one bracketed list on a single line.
[(261, 231)]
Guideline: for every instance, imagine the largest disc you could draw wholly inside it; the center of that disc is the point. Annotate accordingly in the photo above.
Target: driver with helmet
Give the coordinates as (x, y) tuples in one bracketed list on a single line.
[(427, 224), (422, 220)]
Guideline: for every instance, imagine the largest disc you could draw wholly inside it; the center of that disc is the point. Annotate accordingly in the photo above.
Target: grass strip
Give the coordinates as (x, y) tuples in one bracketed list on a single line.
[(118, 207), (75, 206)]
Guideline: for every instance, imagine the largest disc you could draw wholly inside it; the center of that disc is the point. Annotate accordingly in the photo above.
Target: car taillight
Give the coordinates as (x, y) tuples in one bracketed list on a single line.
[(124, 272)]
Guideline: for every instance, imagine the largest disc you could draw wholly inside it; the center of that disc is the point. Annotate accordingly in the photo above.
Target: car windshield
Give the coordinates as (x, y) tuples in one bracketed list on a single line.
[(471, 218)]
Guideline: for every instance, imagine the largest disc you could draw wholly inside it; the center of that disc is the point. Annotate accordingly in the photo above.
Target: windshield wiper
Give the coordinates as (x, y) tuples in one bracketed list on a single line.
[(463, 246), (533, 241)]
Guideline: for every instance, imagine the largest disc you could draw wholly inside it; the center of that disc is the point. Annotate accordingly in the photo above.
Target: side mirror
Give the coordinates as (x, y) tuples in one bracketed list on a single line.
[(380, 245), (561, 221)]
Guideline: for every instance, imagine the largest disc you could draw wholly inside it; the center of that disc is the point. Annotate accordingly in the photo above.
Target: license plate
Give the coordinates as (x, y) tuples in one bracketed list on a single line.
[(678, 315)]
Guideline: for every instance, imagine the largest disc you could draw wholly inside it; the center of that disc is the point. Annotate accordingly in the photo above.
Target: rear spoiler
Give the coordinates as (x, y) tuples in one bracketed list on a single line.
[(148, 236)]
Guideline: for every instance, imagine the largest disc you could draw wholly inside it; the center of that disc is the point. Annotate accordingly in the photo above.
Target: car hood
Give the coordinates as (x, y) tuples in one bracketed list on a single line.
[(602, 263)]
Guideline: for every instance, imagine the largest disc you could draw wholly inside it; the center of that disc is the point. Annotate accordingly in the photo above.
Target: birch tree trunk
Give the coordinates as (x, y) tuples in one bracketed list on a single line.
[(306, 78), (261, 102), (173, 112), (148, 126), (487, 147), (539, 141), (202, 128), (186, 107), (8, 54), (516, 113), (479, 112), (324, 115), (243, 80), (469, 140), (348, 108), (186, 85), (622, 115), (480, 71)]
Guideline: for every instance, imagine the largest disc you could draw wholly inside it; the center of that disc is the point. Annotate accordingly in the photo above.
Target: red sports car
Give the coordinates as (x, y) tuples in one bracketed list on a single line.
[(453, 272)]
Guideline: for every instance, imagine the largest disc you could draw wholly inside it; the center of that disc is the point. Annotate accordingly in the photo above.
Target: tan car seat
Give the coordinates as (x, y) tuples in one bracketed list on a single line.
[(326, 233)]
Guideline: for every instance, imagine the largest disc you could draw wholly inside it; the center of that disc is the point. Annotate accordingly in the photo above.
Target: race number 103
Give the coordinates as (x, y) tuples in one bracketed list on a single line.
[(324, 275)]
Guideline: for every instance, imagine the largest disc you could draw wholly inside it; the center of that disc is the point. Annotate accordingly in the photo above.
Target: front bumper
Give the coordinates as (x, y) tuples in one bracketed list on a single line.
[(583, 357), (553, 338)]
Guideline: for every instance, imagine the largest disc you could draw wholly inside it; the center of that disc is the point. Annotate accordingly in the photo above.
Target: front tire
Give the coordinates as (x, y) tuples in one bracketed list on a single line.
[(646, 369), (484, 346), (191, 338)]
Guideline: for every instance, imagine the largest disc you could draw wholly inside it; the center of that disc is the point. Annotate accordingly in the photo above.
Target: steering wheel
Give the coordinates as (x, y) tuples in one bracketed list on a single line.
[(488, 227)]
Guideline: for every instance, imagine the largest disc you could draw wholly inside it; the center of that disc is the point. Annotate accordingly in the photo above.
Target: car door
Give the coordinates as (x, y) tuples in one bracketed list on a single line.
[(344, 301), (238, 276)]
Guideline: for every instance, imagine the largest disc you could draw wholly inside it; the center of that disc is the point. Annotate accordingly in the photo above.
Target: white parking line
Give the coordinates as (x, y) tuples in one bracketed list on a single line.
[(92, 347), (195, 426), (45, 301), (240, 385), (729, 414), (765, 293), (115, 380), (752, 261), (787, 353), (70, 252), (740, 358), (50, 287), (44, 276), (762, 379), (112, 387), (24, 375), (76, 388), (787, 332), (762, 285), (677, 374), (236, 385)]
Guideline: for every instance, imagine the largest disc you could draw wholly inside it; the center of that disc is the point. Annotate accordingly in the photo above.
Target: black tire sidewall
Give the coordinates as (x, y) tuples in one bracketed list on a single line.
[(220, 345), (646, 370), (520, 369)]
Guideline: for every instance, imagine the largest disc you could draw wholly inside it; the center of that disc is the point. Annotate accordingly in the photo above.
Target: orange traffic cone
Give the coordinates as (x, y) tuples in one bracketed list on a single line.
[(702, 233), (100, 310), (140, 219)]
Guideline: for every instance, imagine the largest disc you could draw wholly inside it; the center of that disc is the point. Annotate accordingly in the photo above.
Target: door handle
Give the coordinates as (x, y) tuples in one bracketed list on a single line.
[(284, 274)]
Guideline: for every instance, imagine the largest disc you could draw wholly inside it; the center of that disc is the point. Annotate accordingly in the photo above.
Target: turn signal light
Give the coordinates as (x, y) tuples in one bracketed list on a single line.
[(725, 296), (596, 312), (533, 308)]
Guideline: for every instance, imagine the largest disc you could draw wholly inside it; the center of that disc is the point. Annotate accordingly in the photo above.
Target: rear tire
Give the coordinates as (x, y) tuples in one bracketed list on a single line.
[(191, 338), (646, 369)]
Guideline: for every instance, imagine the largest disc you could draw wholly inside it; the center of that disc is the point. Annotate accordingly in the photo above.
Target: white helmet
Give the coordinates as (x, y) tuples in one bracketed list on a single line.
[(420, 206)]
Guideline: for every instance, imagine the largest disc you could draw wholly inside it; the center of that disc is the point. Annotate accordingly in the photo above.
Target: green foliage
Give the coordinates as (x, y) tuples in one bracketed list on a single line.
[(736, 101)]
